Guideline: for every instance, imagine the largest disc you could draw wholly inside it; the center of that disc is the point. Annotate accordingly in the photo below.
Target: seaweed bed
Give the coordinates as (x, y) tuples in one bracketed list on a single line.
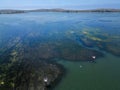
[(25, 60)]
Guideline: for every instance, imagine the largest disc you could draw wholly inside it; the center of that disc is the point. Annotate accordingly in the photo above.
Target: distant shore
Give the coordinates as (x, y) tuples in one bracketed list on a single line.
[(10, 11)]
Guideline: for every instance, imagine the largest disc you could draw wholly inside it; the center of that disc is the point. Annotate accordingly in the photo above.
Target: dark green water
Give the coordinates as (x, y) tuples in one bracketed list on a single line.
[(103, 75)]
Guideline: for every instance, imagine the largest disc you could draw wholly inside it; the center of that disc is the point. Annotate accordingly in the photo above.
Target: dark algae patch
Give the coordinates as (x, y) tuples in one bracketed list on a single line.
[(23, 73)]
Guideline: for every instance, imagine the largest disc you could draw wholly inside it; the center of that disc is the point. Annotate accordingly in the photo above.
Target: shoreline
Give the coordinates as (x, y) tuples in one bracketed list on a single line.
[(11, 11)]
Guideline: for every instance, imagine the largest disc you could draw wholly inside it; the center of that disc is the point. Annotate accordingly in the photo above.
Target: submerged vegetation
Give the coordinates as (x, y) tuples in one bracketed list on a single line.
[(29, 49), (30, 59), (105, 41)]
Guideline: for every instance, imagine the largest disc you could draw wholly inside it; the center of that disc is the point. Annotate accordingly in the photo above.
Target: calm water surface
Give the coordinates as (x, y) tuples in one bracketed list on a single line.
[(102, 75)]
